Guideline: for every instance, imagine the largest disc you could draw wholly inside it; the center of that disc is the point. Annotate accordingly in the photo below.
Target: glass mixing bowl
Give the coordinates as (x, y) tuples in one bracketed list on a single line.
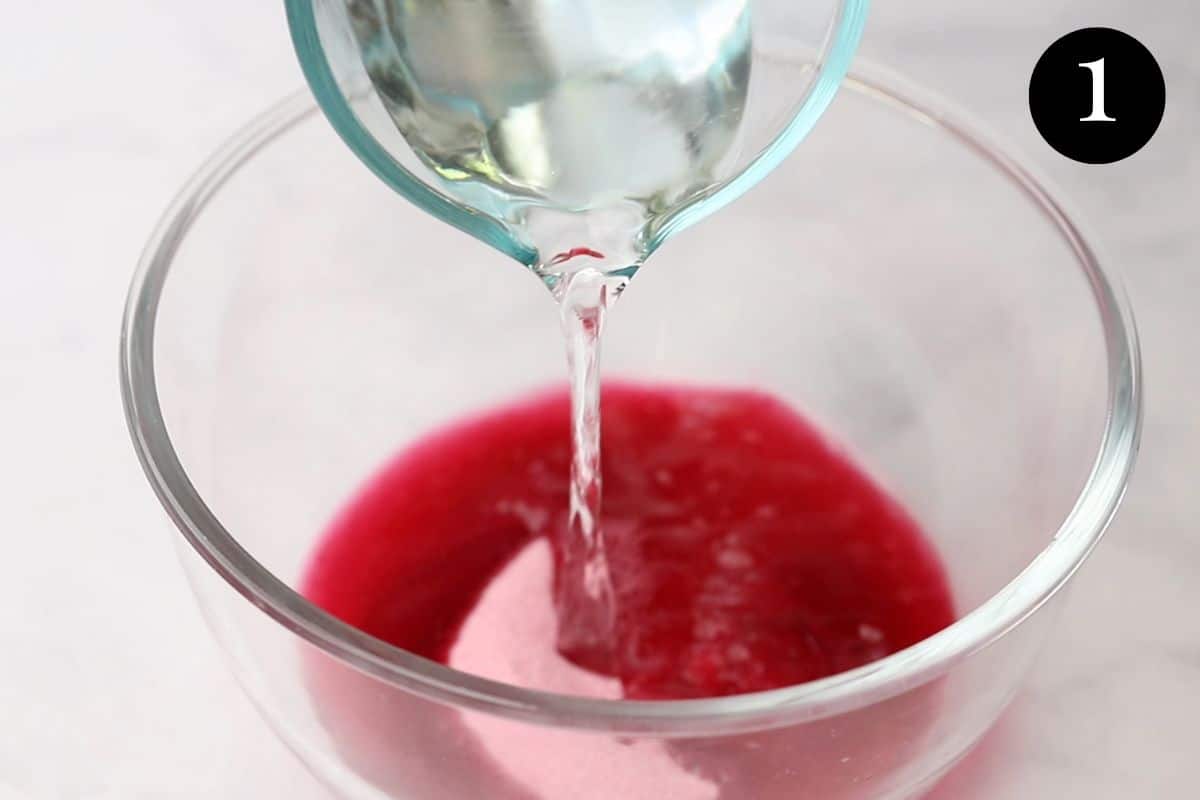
[(905, 283)]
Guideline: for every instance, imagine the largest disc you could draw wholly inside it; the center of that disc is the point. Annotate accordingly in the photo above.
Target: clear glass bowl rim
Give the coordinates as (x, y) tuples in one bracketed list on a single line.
[(841, 693)]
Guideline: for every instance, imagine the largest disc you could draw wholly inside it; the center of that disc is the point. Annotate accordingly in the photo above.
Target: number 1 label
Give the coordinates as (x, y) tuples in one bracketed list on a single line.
[(1126, 104), (1097, 69)]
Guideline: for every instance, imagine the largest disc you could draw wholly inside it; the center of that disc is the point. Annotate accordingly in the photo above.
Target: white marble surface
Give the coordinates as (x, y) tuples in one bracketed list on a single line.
[(109, 685)]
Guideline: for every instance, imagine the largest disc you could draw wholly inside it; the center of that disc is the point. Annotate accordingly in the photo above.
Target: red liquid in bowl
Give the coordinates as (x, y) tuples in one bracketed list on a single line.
[(747, 553)]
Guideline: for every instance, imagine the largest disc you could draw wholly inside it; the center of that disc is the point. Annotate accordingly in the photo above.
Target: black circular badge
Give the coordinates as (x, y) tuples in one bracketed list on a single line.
[(1097, 95)]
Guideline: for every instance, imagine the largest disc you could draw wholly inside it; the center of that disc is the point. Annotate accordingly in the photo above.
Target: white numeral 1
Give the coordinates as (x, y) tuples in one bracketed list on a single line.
[(1097, 115)]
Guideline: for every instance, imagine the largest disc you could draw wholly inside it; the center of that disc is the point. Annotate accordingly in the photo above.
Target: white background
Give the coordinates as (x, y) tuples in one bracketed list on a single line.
[(109, 684)]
